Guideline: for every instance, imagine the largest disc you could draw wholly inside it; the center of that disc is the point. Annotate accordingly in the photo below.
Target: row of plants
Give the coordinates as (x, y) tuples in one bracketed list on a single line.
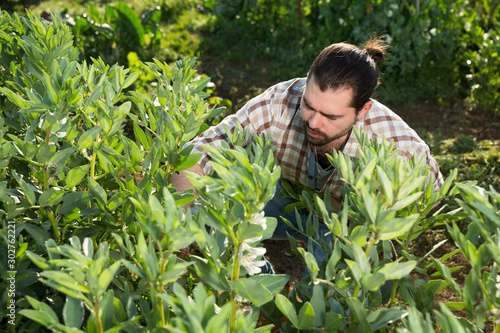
[(97, 231)]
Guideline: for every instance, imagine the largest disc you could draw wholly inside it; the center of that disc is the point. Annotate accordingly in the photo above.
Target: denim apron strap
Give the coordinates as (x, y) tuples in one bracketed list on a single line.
[(311, 170)]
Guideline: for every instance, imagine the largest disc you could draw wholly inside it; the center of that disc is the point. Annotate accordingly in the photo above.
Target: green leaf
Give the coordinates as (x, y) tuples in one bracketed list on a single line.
[(74, 200), (38, 316), (306, 316), (88, 138), (189, 162), (73, 313), (61, 158), (51, 197), (52, 90), (59, 279), (157, 212), (386, 185), (130, 79), (174, 271), (107, 276), (318, 304), (143, 139), (137, 33), (385, 316), (14, 98), (97, 191), (397, 227), (170, 209), (252, 290), (104, 161), (312, 265), (359, 312), (333, 322), (76, 175), (272, 282), (135, 270), (33, 68), (373, 281), (124, 109), (136, 154), (38, 260), (42, 314), (455, 306), (107, 309), (208, 274), (406, 201), (286, 307), (396, 270), (355, 269), (39, 234), (331, 266), (367, 172), (28, 191), (361, 258)]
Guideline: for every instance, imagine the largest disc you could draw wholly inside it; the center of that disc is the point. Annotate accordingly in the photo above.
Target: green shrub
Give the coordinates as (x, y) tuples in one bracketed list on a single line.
[(93, 232), (93, 210), (439, 50)]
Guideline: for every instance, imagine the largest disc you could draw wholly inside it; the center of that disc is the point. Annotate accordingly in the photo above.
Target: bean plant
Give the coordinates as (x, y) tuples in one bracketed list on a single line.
[(95, 236)]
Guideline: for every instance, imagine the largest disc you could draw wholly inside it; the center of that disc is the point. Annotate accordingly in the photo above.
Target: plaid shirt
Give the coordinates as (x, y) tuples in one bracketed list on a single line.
[(277, 113)]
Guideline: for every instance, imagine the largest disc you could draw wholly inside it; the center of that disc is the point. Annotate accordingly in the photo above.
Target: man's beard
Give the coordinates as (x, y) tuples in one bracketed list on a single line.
[(324, 139)]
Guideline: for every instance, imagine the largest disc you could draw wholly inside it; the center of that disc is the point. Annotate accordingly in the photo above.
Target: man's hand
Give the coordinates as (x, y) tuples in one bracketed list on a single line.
[(181, 182)]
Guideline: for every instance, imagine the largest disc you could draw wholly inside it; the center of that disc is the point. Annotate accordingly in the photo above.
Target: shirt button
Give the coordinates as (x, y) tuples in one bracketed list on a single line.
[(310, 177)]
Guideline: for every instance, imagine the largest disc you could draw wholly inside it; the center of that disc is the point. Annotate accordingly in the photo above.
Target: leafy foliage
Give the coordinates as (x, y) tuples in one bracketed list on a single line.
[(100, 232), (120, 31), (438, 49)]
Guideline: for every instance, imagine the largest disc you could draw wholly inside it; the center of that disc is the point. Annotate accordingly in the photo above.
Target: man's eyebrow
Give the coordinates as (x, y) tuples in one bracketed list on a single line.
[(329, 116), (307, 104)]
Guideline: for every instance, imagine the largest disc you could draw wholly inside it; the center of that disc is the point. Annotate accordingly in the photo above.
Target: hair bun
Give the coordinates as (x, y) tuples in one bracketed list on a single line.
[(376, 54), (376, 48)]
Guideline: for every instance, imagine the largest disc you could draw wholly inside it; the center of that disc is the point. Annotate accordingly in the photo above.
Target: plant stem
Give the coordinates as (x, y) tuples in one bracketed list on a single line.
[(392, 301), (356, 291), (160, 306), (92, 164), (98, 322), (235, 274), (163, 265), (371, 241), (53, 222)]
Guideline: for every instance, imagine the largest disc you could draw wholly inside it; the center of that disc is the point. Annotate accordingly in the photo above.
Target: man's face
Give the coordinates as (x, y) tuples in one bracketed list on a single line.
[(328, 116)]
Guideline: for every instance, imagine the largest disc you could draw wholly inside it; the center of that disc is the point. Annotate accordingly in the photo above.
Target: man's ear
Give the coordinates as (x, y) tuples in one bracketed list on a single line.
[(365, 109)]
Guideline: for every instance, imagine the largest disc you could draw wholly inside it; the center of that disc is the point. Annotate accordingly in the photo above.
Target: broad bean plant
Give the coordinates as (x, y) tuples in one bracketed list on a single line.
[(94, 236)]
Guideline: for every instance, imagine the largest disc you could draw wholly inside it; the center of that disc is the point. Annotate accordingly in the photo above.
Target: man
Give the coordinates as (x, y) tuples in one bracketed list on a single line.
[(307, 118)]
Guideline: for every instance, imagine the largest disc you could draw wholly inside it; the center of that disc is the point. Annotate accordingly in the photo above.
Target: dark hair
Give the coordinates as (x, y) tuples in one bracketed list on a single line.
[(344, 65)]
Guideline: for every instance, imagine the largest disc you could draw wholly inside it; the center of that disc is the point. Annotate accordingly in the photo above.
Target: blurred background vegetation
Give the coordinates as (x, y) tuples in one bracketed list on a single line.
[(442, 74)]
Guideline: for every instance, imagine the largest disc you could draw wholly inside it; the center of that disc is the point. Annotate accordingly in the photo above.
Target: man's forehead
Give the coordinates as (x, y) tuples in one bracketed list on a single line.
[(311, 80)]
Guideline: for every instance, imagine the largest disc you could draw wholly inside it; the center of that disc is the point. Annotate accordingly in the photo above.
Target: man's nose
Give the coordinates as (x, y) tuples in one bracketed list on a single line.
[(314, 120)]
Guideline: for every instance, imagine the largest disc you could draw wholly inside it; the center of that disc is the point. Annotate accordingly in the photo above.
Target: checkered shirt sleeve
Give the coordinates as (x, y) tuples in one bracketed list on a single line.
[(267, 113)]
